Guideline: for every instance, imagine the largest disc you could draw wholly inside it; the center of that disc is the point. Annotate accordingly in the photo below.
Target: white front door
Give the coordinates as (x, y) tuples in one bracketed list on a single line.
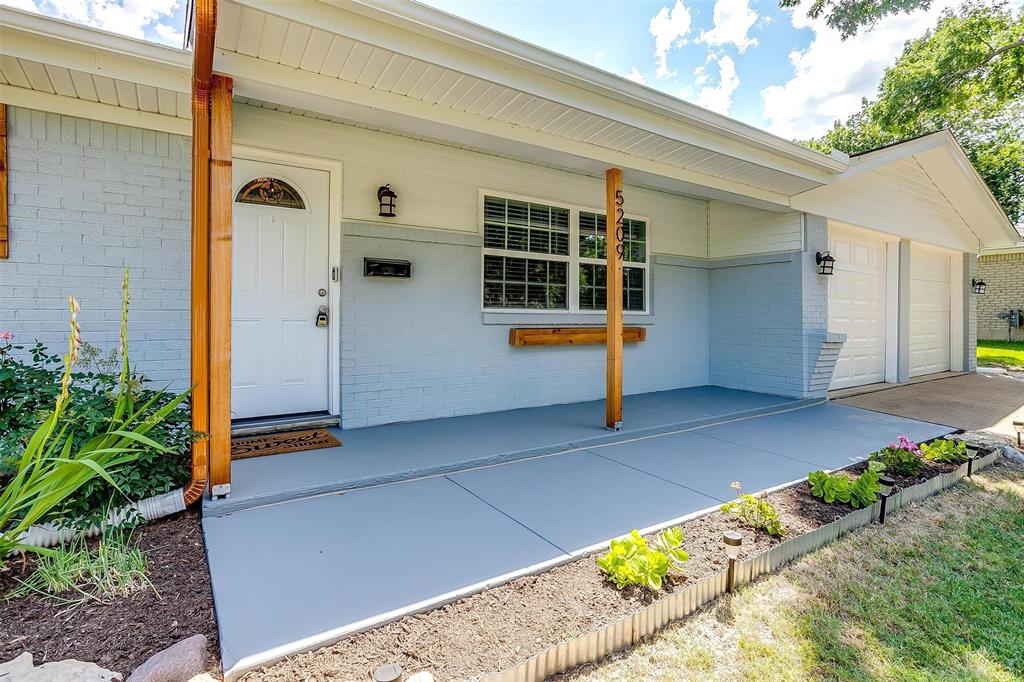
[(929, 311), (856, 306), (279, 356)]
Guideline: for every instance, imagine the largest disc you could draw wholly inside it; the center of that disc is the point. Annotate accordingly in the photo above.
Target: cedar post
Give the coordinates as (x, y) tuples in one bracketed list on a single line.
[(614, 212), (220, 285)]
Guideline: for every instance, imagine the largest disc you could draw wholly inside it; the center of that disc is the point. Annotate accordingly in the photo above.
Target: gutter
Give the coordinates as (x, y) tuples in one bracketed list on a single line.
[(204, 26)]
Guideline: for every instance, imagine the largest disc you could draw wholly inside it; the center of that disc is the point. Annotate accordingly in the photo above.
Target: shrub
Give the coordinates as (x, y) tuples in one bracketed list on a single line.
[(943, 450), (633, 561), (856, 492), (901, 458), (757, 512), (29, 389)]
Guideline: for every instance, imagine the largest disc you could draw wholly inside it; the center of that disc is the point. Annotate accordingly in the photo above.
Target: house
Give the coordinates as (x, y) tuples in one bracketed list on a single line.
[(1002, 271), (369, 211)]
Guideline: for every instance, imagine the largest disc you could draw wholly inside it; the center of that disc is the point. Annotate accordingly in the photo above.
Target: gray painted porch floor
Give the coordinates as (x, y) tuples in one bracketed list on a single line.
[(292, 575)]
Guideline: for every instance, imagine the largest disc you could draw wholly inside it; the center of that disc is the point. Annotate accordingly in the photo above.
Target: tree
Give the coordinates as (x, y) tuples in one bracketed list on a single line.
[(849, 16), (966, 75)]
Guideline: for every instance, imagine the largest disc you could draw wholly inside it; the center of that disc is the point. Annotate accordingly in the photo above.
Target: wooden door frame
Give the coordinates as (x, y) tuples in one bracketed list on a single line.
[(334, 237)]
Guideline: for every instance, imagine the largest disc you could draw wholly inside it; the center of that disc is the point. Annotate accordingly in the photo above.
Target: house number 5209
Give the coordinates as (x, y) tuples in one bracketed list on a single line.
[(620, 248)]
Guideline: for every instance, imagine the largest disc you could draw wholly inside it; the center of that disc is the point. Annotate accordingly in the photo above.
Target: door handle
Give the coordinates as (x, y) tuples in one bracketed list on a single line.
[(321, 316)]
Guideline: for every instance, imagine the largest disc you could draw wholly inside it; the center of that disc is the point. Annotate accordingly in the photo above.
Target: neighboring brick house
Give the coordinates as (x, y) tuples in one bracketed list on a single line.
[(1003, 273)]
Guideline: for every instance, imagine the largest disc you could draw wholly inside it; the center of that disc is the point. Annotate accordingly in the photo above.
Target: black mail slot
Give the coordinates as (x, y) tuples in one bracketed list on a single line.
[(385, 267)]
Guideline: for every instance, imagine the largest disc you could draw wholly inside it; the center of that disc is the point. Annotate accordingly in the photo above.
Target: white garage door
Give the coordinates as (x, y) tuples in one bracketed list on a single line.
[(929, 311), (856, 306)]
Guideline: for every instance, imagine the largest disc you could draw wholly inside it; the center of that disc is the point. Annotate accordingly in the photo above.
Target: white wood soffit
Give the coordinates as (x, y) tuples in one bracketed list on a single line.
[(924, 189), (318, 57), (74, 70)]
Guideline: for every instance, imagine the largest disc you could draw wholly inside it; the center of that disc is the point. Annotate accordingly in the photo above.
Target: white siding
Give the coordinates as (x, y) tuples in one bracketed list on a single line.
[(438, 185), (736, 230)]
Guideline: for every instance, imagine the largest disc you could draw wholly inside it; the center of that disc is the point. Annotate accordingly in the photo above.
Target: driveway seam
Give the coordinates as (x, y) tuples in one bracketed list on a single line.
[(653, 475), (507, 515)]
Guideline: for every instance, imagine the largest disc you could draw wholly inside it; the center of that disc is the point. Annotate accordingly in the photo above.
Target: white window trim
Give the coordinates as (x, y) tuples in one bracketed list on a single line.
[(574, 259)]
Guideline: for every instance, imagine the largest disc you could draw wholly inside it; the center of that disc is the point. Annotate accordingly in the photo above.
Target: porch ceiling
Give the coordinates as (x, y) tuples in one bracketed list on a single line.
[(365, 65)]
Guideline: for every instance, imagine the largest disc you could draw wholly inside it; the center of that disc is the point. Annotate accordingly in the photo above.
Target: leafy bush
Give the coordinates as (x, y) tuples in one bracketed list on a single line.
[(633, 561), (28, 390), (856, 492), (943, 450), (757, 512), (901, 458)]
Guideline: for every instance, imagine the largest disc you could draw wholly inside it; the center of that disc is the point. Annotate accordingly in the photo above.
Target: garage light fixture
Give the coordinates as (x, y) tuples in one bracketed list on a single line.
[(1019, 428), (885, 485), (386, 198), (732, 540), (825, 262), (979, 286)]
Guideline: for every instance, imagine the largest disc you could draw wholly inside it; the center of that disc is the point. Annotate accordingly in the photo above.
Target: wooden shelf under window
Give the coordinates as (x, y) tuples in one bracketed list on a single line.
[(569, 336)]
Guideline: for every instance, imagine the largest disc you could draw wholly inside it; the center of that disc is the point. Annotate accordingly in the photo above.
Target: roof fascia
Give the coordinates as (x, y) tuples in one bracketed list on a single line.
[(59, 43), (421, 32), (96, 111)]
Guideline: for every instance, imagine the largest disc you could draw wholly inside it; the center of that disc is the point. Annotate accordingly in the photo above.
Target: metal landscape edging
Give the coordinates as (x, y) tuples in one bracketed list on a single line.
[(631, 629)]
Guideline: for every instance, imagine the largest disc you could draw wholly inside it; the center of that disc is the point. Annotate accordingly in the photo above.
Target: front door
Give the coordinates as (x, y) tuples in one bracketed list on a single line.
[(279, 348)]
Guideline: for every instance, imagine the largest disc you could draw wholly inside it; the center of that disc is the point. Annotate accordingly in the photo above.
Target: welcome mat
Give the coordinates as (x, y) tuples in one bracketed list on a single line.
[(281, 443)]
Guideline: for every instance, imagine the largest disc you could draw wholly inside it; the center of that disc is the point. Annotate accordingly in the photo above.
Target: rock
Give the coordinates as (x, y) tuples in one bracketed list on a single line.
[(22, 670), (1013, 454), (177, 663), (12, 668), (422, 676), (204, 677)]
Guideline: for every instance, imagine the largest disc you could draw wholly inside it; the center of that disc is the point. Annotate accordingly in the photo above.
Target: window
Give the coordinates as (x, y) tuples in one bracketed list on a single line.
[(270, 192), (543, 257)]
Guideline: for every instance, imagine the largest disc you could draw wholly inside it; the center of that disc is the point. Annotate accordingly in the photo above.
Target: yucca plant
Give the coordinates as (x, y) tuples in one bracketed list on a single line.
[(51, 468)]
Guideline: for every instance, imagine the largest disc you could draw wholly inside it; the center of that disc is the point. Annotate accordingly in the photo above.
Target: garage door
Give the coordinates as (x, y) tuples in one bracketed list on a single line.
[(856, 306), (929, 311)]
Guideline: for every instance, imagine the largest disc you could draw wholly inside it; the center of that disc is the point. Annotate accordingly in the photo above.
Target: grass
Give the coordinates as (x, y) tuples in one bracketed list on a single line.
[(1001, 353), (935, 594), (75, 573)]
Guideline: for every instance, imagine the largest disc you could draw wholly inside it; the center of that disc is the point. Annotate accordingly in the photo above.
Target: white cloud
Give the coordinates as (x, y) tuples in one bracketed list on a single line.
[(733, 20), (635, 76), (717, 97), (599, 56), (669, 27), (127, 17), (831, 75), (170, 35)]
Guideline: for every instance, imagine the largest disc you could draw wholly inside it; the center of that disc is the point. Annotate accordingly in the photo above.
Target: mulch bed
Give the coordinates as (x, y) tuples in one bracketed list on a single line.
[(122, 633)]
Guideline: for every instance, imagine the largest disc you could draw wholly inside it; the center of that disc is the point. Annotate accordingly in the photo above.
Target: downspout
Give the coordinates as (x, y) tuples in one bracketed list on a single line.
[(204, 24)]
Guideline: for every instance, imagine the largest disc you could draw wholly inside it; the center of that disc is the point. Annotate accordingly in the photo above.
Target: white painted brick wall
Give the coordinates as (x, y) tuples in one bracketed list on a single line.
[(1004, 275), (88, 199)]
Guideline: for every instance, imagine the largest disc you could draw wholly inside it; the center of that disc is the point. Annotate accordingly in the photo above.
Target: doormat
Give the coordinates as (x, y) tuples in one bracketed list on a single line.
[(281, 443)]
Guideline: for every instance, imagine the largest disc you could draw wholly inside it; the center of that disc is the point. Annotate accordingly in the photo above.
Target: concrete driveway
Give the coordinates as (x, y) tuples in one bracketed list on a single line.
[(973, 402)]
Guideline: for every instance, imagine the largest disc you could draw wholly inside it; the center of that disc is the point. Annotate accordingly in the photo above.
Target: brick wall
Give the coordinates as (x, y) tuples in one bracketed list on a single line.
[(88, 199), (422, 348), (1004, 275)]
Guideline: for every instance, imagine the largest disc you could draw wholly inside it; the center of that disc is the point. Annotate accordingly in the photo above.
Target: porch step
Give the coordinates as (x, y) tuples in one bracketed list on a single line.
[(291, 422), (395, 453)]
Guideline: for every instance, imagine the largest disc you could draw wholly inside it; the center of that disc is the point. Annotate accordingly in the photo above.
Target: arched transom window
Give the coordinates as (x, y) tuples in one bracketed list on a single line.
[(270, 192)]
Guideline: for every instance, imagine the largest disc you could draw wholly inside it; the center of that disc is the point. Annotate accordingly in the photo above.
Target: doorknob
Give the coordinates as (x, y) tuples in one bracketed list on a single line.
[(321, 316)]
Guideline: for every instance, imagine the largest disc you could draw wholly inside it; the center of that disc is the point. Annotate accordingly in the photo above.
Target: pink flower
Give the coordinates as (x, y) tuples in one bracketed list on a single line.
[(904, 443), (6, 336)]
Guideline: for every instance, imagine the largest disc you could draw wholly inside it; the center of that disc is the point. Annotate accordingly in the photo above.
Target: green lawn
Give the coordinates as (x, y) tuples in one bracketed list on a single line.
[(935, 594), (1001, 353)]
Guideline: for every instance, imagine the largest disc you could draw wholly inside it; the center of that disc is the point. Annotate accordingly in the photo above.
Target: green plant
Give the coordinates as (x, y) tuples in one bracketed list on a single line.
[(51, 469), (633, 560), (757, 512), (942, 450), (856, 492), (30, 385), (901, 458), (116, 567)]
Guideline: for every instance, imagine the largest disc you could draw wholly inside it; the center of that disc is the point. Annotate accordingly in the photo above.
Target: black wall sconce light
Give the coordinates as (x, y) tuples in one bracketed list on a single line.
[(386, 198), (826, 263), (979, 286)]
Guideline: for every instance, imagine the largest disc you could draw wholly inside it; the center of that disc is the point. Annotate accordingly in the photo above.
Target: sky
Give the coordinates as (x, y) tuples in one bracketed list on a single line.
[(771, 68)]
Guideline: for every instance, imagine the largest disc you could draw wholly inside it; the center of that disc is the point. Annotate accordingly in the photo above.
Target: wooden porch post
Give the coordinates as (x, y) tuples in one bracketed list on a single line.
[(220, 285), (4, 239), (200, 327), (613, 342)]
